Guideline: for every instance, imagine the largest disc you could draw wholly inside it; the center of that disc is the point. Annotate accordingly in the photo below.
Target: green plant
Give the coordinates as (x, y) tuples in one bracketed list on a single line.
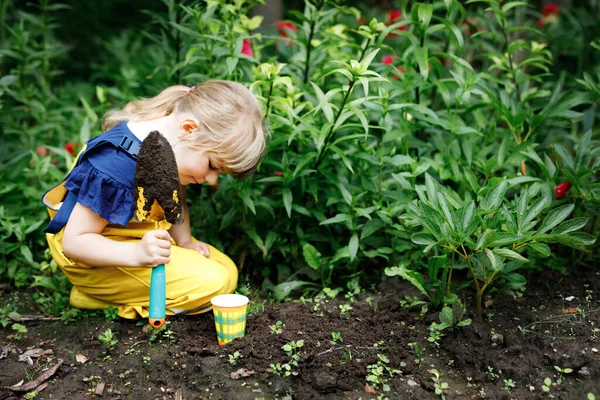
[(450, 319), (438, 384), (19, 330), (509, 385), (562, 372), (108, 339), (235, 358), (336, 338), (31, 395), (8, 312), (380, 373), (111, 313), (277, 328), (488, 236), (344, 308)]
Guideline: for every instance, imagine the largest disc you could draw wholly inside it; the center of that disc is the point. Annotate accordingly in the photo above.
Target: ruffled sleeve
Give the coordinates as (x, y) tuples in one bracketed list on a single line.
[(103, 194)]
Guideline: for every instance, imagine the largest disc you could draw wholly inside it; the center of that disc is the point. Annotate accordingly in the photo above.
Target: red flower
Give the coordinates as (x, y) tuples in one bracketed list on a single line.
[(394, 16), (362, 21), (284, 27), (550, 15), (550, 9), (247, 48), (561, 189), (215, 186), (387, 60), (278, 173), (70, 148), (42, 151)]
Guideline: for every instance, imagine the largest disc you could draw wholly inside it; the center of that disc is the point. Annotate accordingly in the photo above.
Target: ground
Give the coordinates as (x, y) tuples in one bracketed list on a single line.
[(376, 349)]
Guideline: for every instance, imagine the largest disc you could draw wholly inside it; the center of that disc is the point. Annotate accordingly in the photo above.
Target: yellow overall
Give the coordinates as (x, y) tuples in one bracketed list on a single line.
[(192, 279)]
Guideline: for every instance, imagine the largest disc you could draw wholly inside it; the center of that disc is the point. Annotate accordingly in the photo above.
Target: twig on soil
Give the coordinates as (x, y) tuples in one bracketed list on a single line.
[(38, 381), (28, 318), (348, 346)]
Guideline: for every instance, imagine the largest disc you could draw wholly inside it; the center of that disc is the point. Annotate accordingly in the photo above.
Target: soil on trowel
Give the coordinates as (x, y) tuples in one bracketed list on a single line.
[(544, 344)]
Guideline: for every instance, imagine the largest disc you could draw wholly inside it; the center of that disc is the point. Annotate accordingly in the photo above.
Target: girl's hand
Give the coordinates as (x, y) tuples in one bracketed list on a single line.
[(155, 248), (200, 247)]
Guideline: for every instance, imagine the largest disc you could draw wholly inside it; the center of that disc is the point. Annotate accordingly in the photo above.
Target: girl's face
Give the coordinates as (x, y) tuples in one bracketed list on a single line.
[(195, 166)]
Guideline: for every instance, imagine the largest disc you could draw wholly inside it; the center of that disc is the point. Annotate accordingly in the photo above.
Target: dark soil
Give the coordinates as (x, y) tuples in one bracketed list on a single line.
[(524, 339)]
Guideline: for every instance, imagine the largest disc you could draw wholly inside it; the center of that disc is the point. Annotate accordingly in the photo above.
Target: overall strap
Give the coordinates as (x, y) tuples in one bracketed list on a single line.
[(130, 145)]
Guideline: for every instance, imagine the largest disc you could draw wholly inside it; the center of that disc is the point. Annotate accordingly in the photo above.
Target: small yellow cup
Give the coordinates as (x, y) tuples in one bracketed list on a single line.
[(230, 316)]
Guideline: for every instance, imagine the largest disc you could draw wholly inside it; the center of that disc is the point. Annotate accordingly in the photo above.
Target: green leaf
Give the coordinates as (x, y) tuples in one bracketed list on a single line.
[(415, 278), (26, 252), (493, 262), (91, 114), (504, 238), (446, 316), (421, 54), (287, 201), (570, 225), (469, 213), (496, 195), (312, 256), (541, 248), (284, 289), (564, 154), (555, 217), (488, 237), (576, 239), (337, 219), (353, 246), (536, 208), (423, 239), (511, 255), (425, 11), (446, 210)]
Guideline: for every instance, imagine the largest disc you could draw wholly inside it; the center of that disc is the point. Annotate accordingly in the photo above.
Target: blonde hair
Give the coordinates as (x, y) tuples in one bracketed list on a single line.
[(231, 126)]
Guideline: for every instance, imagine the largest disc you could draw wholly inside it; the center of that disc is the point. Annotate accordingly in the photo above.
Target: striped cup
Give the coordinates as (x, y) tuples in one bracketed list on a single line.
[(229, 311)]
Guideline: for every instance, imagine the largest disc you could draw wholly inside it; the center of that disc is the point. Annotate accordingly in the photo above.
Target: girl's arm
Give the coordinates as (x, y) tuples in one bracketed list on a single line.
[(82, 241), (182, 233)]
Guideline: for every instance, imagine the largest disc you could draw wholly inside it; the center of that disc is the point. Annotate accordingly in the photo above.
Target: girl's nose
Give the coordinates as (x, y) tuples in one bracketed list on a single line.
[(212, 177)]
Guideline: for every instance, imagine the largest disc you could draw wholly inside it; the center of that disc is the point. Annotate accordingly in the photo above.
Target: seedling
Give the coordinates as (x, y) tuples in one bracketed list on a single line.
[(438, 384), (19, 329), (277, 328), (108, 340), (235, 357), (450, 319), (561, 372), (292, 347), (509, 384), (336, 338), (380, 373), (111, 313), (344, 308)]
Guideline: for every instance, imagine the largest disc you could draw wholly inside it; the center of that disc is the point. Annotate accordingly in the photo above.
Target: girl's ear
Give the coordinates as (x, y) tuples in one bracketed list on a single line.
[(189, 125)]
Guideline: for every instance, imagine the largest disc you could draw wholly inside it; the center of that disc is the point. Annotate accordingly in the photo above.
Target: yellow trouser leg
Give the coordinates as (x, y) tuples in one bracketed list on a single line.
[(192, 280)]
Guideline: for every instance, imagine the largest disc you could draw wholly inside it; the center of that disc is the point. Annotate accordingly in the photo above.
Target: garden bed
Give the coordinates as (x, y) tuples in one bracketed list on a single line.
[(507, 352)]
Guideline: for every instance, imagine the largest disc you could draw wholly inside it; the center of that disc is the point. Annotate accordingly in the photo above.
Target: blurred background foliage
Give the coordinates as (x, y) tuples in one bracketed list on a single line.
[(453, 144)]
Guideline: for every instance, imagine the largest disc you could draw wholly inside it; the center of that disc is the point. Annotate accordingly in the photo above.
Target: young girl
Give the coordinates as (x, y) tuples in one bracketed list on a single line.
[(214, 128)]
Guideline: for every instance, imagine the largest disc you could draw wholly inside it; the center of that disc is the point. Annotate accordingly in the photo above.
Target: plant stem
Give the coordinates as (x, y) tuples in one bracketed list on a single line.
[(511, 65), (478, 289), (308, 43), (268, 108), (330, 133)]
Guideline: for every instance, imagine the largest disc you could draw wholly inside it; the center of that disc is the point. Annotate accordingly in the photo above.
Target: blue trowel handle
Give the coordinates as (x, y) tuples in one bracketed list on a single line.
[(158, 296)]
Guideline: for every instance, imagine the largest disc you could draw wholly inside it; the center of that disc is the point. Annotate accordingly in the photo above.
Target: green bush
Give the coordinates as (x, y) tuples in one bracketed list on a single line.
[(388, 133)]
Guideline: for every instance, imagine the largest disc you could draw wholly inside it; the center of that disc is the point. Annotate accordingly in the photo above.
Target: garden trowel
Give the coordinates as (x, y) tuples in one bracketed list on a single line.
[(158, 199)]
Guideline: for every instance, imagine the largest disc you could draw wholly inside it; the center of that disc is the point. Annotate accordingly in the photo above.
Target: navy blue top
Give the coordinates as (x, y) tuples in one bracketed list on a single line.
[(103, 179)]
